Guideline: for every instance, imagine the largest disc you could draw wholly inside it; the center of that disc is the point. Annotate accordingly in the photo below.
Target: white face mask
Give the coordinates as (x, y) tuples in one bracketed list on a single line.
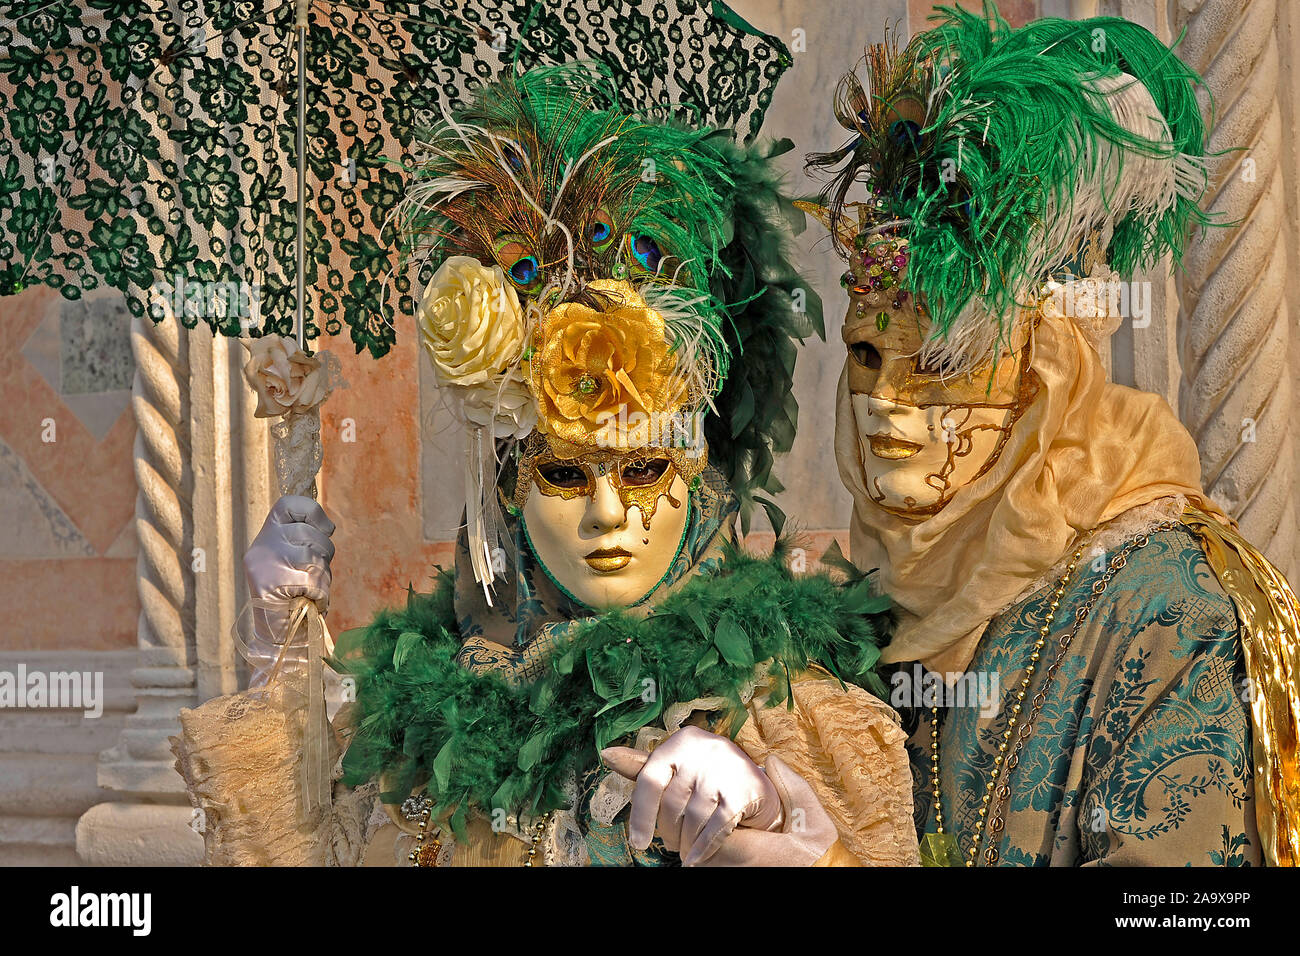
[(916, 458), (588, 527), (922, 436)]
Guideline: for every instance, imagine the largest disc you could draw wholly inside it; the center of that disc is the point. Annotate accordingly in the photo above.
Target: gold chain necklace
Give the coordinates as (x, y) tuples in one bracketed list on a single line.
[(996, 793), (426, 853), (539, 830)]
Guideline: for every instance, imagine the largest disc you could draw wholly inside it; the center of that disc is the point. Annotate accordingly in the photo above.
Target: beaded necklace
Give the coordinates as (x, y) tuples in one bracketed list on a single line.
[(427, 853), (996, 791)]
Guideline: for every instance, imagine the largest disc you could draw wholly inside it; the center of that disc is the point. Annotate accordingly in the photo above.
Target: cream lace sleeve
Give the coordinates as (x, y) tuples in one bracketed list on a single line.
[(849, 747), (239, 756)]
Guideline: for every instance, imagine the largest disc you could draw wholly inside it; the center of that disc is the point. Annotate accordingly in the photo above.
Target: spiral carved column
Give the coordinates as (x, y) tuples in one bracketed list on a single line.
[(162, 498), (150, 822), (1236, 390)]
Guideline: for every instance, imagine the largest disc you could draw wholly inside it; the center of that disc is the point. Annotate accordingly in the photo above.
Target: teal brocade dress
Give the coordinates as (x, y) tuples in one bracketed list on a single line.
[(1142, 752)]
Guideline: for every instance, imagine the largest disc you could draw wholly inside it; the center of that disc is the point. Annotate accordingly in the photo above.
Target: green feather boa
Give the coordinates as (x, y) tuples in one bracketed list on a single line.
[(480, 742)]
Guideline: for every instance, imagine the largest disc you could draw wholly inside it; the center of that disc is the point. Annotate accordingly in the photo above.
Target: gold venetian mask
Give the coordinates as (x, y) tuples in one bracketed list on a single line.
[(606, 526), (603, 483), (923, 435)]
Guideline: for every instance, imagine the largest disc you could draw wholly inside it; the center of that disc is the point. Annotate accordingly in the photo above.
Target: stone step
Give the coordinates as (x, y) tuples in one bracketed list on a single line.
[(130, 834), (38, 831), (48, 784), (57, 731), (35, 854), (152, 779)]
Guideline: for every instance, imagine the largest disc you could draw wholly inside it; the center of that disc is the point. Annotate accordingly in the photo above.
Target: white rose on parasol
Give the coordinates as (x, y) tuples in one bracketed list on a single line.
[(285, 378)]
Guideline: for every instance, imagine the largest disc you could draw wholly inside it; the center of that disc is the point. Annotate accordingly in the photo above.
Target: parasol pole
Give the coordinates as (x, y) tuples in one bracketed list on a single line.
[(300, 319)]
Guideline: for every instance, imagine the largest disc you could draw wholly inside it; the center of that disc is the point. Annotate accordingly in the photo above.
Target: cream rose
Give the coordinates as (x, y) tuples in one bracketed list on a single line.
[(1092, 304), (470, 322), (285, 378), (506, 406)]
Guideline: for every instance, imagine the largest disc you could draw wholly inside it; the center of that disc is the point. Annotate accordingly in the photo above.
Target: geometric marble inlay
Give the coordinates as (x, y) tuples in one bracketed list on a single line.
[(95, 340), (82, 348), (35, 525)]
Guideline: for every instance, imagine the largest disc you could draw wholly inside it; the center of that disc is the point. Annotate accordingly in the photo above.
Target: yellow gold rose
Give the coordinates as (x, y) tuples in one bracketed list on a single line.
[(591, 364), (470, 322)]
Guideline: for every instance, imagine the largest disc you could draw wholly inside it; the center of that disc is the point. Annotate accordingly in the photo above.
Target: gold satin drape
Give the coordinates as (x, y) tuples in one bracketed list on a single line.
[(1270, 638)]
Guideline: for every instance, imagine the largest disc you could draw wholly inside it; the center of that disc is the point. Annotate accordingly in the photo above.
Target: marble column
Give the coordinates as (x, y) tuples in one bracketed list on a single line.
[(1236, 396), (201, 465)]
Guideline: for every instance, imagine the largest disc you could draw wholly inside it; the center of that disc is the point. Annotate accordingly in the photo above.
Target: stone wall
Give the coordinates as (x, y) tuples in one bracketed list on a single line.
[(67, 555)]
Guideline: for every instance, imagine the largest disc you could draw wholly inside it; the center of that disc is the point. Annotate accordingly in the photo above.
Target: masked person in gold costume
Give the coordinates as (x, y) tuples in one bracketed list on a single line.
[(604, 678), (1101, 671)]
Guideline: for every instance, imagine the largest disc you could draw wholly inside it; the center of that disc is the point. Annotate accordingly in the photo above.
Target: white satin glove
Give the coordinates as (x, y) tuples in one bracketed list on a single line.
[(289, 558), (694, 789), (806, 832)]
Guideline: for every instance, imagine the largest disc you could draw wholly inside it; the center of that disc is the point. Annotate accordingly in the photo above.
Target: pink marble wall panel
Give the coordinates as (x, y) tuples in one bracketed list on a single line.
[(67, 558)]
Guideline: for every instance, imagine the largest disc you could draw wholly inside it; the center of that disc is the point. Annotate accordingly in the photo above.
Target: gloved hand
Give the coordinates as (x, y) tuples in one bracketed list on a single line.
[(289, 558), (805, 835), (695, 789)]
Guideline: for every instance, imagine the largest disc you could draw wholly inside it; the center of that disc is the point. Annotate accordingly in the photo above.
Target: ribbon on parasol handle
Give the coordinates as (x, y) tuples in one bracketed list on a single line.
[(297, 687), (290, 385), (298, 453)]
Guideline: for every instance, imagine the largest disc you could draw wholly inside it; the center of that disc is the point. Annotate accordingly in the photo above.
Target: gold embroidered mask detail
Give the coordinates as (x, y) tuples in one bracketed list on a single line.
[(885, 362), (640, 478), (923, 435)]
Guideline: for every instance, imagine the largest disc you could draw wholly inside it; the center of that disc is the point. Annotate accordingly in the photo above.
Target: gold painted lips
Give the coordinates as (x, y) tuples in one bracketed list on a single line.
[(892, 449), (608, 560)]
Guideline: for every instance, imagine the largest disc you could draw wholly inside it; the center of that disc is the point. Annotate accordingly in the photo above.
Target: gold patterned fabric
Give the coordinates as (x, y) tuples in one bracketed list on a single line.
[(1270, 637), (240, 756), (1138, 752), (850, 748)]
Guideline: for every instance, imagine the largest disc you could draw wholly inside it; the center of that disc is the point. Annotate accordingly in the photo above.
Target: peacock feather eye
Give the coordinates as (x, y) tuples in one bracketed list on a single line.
[(645, 252), (524, 271), (601, 230), (905, 132), (905, 115), (520, 264), (514, 154)]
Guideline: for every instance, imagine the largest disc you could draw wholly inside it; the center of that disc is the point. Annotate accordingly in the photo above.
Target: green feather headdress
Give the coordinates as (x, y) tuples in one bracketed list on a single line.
[(540, 168), (1001, 153), (548, 172)]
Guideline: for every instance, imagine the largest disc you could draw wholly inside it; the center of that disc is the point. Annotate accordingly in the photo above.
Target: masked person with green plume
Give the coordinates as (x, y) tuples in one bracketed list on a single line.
[(1043, 531)]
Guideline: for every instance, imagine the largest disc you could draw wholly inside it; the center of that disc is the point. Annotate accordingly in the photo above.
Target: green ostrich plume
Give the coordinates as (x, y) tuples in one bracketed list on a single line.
[(1000, 152)]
